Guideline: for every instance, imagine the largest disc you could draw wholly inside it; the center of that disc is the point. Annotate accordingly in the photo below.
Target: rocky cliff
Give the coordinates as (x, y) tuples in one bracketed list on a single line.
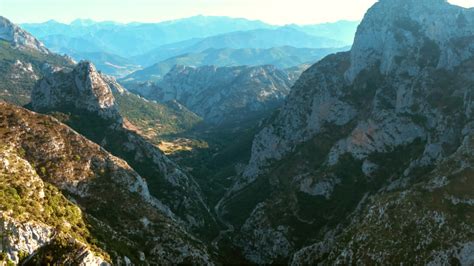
[(83, 88), (60, 195), (220, 94), (381, 117), (83, 99), (427, 223), (436, 33)]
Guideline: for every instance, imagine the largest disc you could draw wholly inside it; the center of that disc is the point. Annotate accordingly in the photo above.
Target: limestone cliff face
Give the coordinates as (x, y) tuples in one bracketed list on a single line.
[(82, 88), (432, 31), (379, 117), (19, 38), (314, 101), (221, 94), (407, 43), (407, 224), (59, 187), (26, 238), (86, 98)]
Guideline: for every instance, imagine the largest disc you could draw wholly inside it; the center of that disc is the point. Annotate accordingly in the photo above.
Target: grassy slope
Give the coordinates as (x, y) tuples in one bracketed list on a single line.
[(155, 120)]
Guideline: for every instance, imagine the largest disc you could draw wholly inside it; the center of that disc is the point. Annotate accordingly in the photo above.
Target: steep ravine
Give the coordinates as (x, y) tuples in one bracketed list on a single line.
[(84, 100), (368, 161)]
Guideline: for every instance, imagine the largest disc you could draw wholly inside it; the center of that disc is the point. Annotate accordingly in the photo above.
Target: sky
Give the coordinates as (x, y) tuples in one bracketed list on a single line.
[(278, 12)]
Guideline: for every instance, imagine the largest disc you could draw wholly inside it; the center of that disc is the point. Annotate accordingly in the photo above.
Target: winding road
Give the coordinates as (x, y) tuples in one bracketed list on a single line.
[(219, 213)]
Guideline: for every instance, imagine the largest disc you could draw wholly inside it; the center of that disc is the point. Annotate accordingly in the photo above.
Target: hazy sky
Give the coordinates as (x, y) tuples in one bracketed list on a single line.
[(272, 11)]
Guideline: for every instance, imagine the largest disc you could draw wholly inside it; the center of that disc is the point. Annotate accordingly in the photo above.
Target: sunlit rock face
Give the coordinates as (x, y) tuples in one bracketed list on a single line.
[(407, 35), (399, 40), (83, 88)]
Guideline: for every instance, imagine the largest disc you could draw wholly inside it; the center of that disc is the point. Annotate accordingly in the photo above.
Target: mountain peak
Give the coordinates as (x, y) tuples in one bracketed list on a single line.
[(19, 38), (84, 88), (83, 22), (85, 67), (417, 2), (52, 21), (393, 31)]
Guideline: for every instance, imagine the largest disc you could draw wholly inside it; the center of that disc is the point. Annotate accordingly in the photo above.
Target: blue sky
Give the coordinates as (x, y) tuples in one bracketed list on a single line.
[(271, 11)]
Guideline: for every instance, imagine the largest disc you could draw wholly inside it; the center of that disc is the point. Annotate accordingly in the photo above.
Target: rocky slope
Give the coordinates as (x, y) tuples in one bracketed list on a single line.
[(19, 38), (220, 94), (23, 60), (360, 137), (59, 195), (430, 222), (84, 99)]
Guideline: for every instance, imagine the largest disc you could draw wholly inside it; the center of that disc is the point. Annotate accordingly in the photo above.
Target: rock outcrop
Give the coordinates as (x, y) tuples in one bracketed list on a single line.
[(151, 119), (82, 88), (409, 224), (23, 240), (440, 35), (379, 118)]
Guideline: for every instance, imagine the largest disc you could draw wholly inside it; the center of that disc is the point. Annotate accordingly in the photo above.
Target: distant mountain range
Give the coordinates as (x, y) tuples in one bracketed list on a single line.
[(138, 38), (281, 57), (119, 49), (256, 39)]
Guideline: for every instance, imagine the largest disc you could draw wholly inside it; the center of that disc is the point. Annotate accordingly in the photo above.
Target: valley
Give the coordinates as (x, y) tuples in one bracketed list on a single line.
[(214, 140)]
